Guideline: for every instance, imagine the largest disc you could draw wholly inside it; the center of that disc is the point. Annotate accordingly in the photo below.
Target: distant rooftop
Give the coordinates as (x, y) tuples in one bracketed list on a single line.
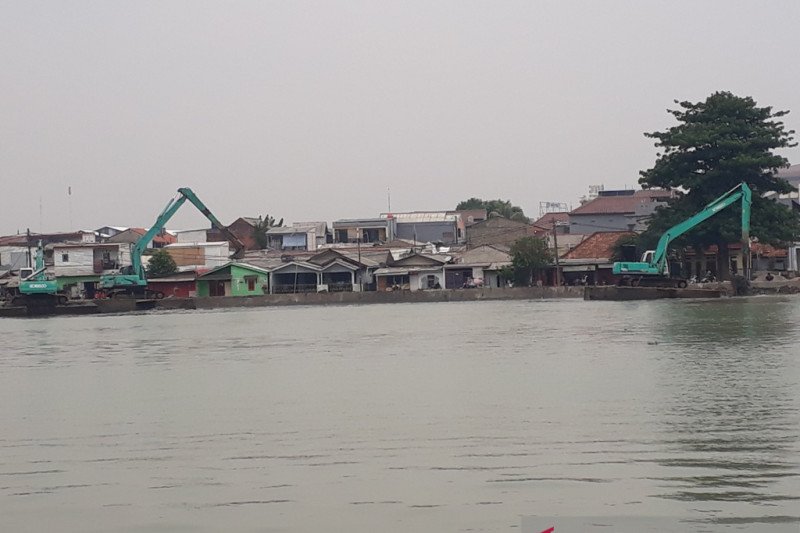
[(546, 220), (598, 245), (791, 173), (626, 204), (365, 223), (421, 217)]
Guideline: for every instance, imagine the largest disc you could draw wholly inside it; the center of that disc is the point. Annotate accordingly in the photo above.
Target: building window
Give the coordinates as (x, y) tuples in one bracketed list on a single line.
[(251, 282), (65, 258), (432, 282)]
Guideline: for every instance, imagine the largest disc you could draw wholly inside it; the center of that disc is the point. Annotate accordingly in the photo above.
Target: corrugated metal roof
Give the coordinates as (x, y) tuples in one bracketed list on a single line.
[(318, 228), (196, 244), (365, 223), (421, 217), (391, 271), (82, 245)]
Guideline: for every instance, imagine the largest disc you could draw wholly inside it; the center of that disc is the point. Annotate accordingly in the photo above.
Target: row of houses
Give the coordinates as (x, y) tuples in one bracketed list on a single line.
[(393, 251), (344, 270)]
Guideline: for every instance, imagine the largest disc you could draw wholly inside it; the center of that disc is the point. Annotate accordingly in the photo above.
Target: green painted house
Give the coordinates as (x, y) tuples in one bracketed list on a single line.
[(233, 279)]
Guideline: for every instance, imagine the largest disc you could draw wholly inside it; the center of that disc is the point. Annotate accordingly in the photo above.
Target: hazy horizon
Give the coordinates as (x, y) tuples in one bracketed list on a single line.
[(311, 110)]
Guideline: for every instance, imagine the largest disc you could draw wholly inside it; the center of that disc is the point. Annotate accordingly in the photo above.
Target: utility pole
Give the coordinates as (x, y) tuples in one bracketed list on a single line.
[(28, 242), (360, 277), (555, 246)]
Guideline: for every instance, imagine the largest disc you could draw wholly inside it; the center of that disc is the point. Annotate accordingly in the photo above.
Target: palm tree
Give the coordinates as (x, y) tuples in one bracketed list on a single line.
[(262, 226)]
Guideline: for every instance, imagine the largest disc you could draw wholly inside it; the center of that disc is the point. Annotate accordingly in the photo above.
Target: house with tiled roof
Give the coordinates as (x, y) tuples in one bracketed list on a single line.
[(233, 279), (308, 236), (479, 266), (626, 210), (498, 230), (132, 235), (592, 258), (414, 271), (243, 228), (546, 223)]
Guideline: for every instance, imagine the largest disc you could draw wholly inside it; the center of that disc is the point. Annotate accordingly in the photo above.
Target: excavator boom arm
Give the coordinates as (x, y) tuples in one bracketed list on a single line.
[(740, 192), (172, 207), (656, 264), (238, 245)]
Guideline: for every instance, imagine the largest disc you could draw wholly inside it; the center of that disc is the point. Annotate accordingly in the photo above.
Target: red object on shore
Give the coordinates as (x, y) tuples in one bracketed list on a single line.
[(549, 530)]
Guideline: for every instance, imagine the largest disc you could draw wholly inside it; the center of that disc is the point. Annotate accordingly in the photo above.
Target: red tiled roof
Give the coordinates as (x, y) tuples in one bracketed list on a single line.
[(598, 245), (14, 240), (654, 193), (764, 250), (610, 204), (620, 204), (546, 220), (162, 239), (22, 240)]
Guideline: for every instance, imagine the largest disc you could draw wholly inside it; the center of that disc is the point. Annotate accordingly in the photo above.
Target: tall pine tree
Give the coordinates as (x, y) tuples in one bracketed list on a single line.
[(717, 144)]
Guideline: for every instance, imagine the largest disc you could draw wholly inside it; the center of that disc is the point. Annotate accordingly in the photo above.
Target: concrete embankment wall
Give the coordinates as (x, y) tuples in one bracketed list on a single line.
[(777, 286), (613, 293), (346, 298)]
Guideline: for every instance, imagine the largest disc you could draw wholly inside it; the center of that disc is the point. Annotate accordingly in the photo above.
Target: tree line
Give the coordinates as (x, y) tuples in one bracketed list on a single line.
[(715, 145)]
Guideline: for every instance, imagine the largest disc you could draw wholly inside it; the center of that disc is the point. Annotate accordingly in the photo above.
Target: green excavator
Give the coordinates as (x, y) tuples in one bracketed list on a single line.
[(654, 269), (38, 290), (131, 280)]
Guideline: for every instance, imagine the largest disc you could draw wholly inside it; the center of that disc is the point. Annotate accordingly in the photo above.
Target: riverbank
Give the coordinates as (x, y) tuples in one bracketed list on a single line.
[(757, 287), (707, 290), (350, 298), (314, 298)]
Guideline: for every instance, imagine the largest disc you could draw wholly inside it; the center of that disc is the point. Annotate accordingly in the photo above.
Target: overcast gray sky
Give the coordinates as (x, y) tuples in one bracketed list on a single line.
[(310, 110)]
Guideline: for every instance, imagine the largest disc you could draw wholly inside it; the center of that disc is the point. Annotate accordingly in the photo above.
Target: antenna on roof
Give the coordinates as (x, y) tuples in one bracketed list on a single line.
[(69, 201), (389, 199)]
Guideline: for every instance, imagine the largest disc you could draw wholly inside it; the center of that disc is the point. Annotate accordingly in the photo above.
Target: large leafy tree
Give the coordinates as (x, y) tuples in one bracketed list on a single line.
[(503, 208), (161, 264), (260, 229), (717, 144), (529, 255)]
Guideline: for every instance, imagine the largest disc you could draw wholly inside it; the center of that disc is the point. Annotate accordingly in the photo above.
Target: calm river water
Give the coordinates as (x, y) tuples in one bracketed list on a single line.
[(404, 417)]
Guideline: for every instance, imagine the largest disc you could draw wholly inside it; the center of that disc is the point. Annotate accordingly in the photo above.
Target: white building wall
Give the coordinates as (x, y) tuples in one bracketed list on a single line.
[(124, 254), (419, 280), (793, 258), (73, 261), (15, 256), (217, 255), (195, 235), (492, 279), (191, 256), (80, 260)]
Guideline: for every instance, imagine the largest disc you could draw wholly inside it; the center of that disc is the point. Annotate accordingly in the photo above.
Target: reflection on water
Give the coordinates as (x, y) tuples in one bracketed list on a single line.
[(423, 417), (730, 414)]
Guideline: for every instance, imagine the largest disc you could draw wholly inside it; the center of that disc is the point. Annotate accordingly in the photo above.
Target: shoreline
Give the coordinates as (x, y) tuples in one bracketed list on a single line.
[(722, 289), (369, 298)]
